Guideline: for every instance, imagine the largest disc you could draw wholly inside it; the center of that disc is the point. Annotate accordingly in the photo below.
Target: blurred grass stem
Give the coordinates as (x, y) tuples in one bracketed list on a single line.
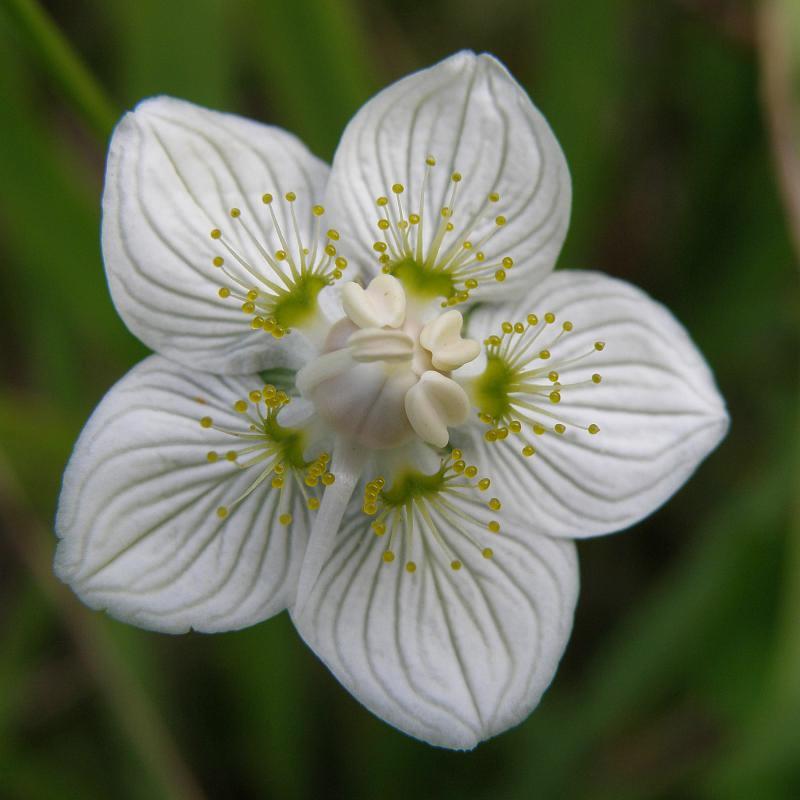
[(128, 703), (64, 65)]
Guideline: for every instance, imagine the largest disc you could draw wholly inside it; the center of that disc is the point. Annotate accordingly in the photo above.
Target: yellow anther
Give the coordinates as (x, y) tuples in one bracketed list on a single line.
[(471, 471), (248, 307), (285, 519), (266, 199), (341, 262), (471, 283), (240, 406), (456, 454), (456, 177), (252, 294), (484, 484), (500, 275), (455, 564), (218, 261), (490, 436), (280, 255), (533, 319), (549, 318), (333, 234), (467, 245), (494, 504), (224, 292), (508, 262), (382, 201), (290, 197), (567, 326), (231, 455), (369, 509), (515, 426), (318, 211), (277, 482), (519, 327), (552, 376), (538, 429), (494, 197), (235, 212), (500, 221), (257, 323), (555, 397), (430, 161), (414, 219), (494, 526), (206, 422), (313, 503), (398, 188), (255, 396), (507, 327), (222, 512), (560, 428), (596, 378), (544, 354), (383, 224), (411, 567), (379, 528), (380, 247), (388, 557), (593, 429), (216, 233), (487, 552), (528, 451), (599, 346), (330, 250), (328, 479), (212, 456)]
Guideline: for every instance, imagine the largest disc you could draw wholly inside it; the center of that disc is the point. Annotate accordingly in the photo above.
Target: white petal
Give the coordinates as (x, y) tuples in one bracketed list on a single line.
[(174, 172), (448, 657), (433, 404), (137, 518), (474, 118), (658, 409)]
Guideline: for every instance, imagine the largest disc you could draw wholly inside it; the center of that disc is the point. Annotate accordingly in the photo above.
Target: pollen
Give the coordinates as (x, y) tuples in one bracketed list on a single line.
[(272, 272), (273, 453), (432, 246), (441, 516), (522, 382)]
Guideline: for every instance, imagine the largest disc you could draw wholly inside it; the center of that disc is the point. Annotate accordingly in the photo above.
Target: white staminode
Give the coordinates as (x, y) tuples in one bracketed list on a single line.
[(393, 369)]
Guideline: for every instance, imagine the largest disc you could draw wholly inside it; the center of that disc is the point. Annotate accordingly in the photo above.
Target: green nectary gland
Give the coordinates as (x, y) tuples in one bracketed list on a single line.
[(412, 485), (421, 280), (491, 389), (292, 442), (295, 308)]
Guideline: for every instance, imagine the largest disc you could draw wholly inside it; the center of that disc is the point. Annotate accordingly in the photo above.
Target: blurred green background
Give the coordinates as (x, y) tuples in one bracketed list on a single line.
[(682, 679)]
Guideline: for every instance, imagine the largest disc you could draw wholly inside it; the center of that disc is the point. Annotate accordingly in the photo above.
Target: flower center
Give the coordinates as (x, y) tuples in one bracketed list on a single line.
[(384, 375), (418, 510), (520, 387), (276, 450), (280, 290), (444, 256)]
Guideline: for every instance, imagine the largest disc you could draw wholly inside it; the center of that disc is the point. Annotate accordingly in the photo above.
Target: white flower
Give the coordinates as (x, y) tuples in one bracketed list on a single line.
[(407, 484)]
